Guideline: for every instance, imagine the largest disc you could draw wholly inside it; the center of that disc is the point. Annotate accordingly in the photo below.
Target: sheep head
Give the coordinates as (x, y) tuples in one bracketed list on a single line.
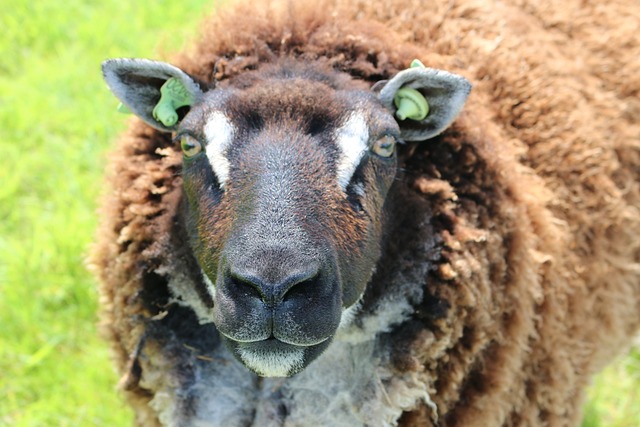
[(286, 170)]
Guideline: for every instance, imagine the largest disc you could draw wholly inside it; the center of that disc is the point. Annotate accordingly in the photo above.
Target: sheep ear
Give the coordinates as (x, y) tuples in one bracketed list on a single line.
[(424, 101), (157, 92)]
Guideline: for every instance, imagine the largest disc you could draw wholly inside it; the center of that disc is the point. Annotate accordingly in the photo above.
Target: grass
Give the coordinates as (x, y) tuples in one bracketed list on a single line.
[(57, 120), (614, 398)]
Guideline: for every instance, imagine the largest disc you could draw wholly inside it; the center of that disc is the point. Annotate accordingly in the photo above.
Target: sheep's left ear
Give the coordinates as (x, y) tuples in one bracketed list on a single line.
[(157, 92), (424, 101)]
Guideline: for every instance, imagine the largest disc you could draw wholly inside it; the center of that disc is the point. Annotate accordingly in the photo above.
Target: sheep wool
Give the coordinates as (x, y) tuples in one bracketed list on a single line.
[(511, 272)]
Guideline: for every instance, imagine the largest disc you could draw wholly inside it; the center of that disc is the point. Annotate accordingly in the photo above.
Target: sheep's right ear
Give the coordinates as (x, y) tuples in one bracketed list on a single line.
[(157, 92)]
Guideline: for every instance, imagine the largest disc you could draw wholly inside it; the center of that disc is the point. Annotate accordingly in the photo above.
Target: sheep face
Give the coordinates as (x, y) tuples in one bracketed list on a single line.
[(283, 212), (285, 172)]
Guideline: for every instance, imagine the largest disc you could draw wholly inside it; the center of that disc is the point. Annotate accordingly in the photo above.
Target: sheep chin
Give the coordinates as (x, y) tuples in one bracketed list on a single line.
[(274, 358)]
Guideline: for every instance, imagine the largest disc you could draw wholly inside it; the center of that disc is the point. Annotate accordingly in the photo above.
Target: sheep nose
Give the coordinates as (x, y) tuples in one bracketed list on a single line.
[(245, 284), (288, 296)]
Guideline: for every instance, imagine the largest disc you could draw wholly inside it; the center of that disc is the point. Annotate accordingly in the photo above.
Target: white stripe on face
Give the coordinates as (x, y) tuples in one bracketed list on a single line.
[(219, 133), (352, 140)]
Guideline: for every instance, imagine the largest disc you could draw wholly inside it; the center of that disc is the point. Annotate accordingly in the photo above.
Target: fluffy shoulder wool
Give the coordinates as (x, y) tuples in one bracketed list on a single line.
[(513, 271)]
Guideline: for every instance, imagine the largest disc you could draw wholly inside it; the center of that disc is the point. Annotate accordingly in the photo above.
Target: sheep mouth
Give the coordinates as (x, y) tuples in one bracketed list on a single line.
[(273, 357)]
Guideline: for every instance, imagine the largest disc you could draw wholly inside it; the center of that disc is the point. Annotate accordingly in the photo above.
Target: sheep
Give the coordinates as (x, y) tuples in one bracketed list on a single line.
[(283, 262)]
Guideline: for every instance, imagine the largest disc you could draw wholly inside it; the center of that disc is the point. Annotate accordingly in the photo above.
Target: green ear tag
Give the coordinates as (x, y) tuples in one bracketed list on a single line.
[(173, 95), (410, 103)]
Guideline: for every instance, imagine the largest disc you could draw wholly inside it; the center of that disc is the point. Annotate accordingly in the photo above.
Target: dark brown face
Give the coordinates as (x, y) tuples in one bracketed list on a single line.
[(285, 177)]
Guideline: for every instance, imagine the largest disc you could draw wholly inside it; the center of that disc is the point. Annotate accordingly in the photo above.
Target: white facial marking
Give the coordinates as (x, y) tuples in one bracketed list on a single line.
[(272, 363), (352, 140), (219, 133)]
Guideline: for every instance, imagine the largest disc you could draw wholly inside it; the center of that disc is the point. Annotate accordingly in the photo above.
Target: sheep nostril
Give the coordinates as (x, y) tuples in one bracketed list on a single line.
[(299, 289), (246, 287), (288, 287)]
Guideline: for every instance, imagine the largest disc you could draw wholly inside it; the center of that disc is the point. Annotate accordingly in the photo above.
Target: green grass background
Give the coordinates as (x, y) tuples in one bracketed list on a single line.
[(57, 121)]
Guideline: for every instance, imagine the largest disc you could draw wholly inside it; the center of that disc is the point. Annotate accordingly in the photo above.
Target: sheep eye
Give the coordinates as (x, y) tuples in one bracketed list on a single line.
[(385, 146), (190, 146)]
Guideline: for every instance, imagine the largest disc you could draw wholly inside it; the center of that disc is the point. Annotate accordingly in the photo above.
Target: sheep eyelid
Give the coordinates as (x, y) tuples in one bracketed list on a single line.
[(386, 133), (176, 139)]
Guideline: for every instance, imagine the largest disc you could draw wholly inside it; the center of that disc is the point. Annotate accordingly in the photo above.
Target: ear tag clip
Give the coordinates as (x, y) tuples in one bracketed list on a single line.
[(416, 63), (123, 109), (173, 95), (410, 103)]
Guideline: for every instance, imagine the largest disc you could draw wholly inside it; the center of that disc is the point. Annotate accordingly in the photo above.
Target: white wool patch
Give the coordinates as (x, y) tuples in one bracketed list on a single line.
[(352, 140), (271, 363), (210, 286), (348, 314), (183, 292), (222, 392), (219, 133), (382, 320), (349, 385)]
